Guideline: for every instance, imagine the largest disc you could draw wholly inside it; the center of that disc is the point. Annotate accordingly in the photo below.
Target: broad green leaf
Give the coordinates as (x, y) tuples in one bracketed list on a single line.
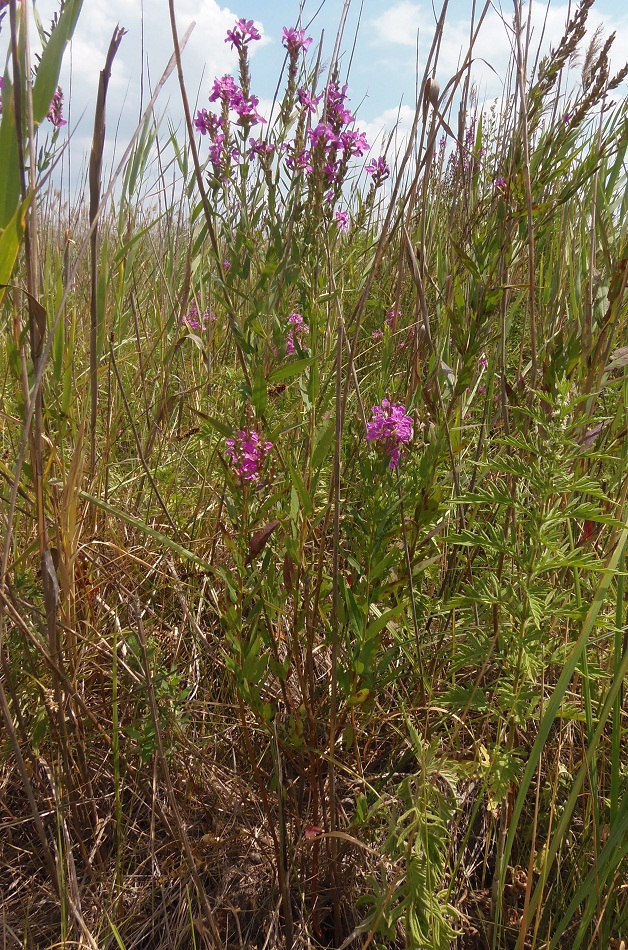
[(289, 370), (49, 67), (10, 187), (380, 622), (259, 397), (10, 243)]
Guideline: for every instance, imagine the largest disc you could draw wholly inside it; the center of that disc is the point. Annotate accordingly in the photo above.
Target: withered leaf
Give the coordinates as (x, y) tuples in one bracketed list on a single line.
[(260, 539), (619, 358)]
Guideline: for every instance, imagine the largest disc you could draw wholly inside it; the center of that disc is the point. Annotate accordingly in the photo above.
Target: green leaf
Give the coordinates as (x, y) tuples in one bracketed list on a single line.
[(289, 370), (10, 187), (259, 396), (322, 443), (302, 492), (552, 709), (220, 427), (10, 243), (49, 67), (380, 622)]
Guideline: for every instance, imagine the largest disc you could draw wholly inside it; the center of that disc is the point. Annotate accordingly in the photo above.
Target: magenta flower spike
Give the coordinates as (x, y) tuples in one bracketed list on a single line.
[(295, 40), (242, 33), (392, 428), (55, 112), (342, 219), (378, 169), (248, 454), (296, 334)]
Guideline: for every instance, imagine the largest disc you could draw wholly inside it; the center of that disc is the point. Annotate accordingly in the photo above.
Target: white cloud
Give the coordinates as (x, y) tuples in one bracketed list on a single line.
[(399, 24), (395, 124), (493, 49)]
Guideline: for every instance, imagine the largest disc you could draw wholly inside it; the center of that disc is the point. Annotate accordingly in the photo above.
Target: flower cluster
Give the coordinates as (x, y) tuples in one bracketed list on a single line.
[(342, 219), (248, 454), (55, 112), (321, 148), (196, 321), (392, 427), (307, 100), (231, 99), (295, 40), (207, 123), (378, 169), (296, 334), (243, 32), (227, 92), (221, 151), (392, 317), (261, 148)]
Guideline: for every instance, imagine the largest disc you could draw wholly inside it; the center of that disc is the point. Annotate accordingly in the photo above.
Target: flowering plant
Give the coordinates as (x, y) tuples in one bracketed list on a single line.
[(297, 331), (392, 427), (248, 454), (195, 320)]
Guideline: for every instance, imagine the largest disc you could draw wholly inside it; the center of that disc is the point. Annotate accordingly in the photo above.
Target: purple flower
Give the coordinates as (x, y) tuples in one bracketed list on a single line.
[(248, 454), (377, 335), (323, 133), (295, 40), (307, 100), (247, 110), (392, 427), (335, 99), (54, 114), (299, 161), (243, 32), (500, 182), (226, 265), (354, 142), (207, 123), (261, 148), (469, 139), (391, 316), (331, 171), (297, 331), (216, 152), (225, 90), (196, 321), (342, 219), (378, 169)]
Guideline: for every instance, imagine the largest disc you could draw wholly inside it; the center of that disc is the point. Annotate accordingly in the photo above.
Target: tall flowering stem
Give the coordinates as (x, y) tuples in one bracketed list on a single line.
[(55, 114), (240, 36), (294, 41), (392, 428), (248, 454)]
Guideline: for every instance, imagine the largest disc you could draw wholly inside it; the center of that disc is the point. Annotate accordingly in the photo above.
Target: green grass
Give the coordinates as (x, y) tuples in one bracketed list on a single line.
[(342, 704)]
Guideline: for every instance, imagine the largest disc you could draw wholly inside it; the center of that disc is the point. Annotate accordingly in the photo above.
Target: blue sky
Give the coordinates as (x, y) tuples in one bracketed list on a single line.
[(383, 67)]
